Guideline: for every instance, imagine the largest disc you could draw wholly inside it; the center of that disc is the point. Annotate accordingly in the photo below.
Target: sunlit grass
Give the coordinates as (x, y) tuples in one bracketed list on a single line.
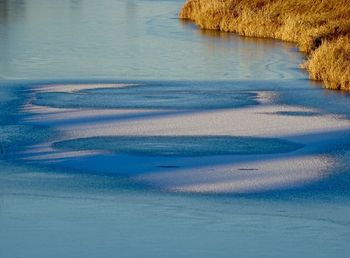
[(321, 29)]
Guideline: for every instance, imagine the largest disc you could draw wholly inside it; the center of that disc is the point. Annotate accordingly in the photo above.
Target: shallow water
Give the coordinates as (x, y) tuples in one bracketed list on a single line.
[(127, 132)]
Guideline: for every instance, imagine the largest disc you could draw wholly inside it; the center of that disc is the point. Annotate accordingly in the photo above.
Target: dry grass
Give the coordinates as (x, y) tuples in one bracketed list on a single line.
[(321, 28)]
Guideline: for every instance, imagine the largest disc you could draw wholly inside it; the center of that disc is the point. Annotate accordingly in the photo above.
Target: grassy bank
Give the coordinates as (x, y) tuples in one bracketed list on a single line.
[(321, 28)]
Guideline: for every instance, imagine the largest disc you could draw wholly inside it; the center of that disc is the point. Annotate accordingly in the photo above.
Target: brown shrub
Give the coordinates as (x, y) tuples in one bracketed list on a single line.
[(331, 63)]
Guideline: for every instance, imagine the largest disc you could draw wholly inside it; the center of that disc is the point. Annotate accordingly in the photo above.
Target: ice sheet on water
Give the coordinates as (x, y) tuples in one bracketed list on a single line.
[(181, 145), (14, 136), (198, 96)]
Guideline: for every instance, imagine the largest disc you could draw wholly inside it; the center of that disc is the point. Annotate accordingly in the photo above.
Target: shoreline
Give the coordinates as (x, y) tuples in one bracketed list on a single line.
[(321, 30)]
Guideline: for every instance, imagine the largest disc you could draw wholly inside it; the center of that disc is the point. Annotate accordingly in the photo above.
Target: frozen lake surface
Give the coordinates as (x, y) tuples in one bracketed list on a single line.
[(126, 132)]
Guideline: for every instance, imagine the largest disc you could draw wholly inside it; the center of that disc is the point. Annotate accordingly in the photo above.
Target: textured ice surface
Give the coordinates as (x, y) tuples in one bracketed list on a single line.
[(79, 87), (201, 96), (180, 145), (191, 150), (13, 137), (244, 177), (254, 121)]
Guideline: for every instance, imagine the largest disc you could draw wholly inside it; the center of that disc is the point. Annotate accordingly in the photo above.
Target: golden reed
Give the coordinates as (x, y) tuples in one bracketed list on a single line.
[(321, 28)]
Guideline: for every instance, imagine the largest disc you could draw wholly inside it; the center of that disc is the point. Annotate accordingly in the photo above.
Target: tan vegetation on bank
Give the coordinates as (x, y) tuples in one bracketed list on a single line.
[(321, 28)]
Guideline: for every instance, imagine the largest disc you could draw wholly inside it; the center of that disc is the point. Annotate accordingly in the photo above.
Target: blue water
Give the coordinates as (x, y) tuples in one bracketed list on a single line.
[(90, 206)]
